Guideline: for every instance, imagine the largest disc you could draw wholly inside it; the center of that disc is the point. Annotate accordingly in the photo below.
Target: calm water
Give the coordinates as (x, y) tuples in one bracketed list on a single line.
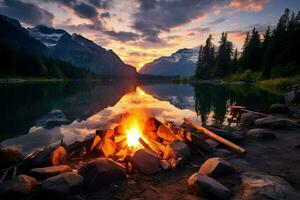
[(84, 107)]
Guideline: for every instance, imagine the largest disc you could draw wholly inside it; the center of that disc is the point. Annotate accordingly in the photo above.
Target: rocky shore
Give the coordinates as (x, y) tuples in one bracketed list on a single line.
[(269, 170)]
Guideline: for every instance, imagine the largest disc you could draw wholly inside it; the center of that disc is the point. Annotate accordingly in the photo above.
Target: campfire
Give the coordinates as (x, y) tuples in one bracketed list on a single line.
[(144, 145)]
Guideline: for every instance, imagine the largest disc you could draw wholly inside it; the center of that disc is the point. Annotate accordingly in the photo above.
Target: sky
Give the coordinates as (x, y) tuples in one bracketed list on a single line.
[(140, 31)]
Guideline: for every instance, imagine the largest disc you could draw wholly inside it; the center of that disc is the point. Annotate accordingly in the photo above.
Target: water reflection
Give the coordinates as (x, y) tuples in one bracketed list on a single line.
[(24, 104), (138, 102), (212, 100), (90, 106)]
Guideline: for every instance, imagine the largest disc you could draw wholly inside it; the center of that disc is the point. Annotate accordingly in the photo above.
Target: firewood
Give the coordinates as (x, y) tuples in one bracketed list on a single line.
[(155, 146), (88, 144), (166, 133), (216, 137), (196, 141), (51, 156), (190, 138)]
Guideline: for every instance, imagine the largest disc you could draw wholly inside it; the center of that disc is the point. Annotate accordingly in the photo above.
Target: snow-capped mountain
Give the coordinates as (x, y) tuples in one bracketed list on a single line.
[(180, 63), (59, 44), (48, 36)]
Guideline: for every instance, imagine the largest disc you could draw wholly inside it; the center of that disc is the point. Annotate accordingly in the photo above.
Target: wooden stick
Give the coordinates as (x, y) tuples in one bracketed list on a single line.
[(3, 177), (214, 136), (15, 172), (262, 114)]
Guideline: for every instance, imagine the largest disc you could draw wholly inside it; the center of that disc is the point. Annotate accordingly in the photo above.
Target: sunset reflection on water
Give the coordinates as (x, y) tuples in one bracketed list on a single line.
[(138, 103)]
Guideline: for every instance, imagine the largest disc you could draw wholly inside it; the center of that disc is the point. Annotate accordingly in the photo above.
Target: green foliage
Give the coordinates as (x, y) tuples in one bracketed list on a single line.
[(278, 82), (248, 76), (289, 70), (16, 62)]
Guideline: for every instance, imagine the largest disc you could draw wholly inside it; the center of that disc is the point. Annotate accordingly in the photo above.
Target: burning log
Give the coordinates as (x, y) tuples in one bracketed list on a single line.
[(108, 147), (212, 135), (151, 127), (51, 156), (108, 133), (166, 133), (155, 146)]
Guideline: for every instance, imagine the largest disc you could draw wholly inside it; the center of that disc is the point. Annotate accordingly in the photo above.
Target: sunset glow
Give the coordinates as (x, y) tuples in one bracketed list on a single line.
[(140, 31)]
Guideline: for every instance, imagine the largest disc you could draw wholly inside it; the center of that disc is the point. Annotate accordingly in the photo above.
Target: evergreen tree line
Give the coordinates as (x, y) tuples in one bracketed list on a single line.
[(272, 54), (16, 62)]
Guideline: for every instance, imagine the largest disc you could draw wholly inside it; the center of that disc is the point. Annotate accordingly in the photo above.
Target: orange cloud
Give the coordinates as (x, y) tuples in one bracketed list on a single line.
[(252, 5)]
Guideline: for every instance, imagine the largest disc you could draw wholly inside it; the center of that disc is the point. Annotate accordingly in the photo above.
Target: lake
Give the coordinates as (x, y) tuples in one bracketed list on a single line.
[(35, 115)]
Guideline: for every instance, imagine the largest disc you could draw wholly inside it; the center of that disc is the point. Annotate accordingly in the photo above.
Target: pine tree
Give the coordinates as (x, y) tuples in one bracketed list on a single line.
[(223, 65), (199, 63), (206, 60), (234, 68), (244, 57)]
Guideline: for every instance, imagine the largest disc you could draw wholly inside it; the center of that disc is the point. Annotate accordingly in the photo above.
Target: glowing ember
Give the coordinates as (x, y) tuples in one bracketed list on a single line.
[(133, 136)]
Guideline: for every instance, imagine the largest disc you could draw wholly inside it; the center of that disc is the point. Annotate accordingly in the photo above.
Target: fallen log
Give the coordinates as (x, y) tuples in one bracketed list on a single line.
[(216, 137)]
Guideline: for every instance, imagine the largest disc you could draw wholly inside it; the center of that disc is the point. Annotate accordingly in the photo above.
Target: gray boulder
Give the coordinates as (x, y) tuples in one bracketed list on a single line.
[(279, 109), (17, 187), (265, 187), (177, 149), (293, 97), (216, 167), (45, 172), (227, 134), (208, 187), (63, 185), (272, 122), (261, 134), (145, 161), (248, 119), (102, 172)]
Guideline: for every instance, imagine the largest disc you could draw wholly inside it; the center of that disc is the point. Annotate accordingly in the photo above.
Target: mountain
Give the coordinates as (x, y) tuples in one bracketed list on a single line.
[(59, 44), (12, 33), (81, 52), (180, 63)]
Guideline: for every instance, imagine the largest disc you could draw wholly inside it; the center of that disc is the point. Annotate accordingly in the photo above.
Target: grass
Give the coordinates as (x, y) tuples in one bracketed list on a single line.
[(282, 83)]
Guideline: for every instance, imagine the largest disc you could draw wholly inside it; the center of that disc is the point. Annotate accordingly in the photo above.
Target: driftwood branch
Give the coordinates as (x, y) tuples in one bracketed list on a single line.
[(216, 137)]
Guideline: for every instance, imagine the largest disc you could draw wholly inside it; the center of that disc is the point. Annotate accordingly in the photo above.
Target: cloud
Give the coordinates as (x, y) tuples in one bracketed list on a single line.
[(101, 3), (26, 12), (252, 5), (155, 17), (85, 11), (105, 15), (203, 29), (217, 21), (123, 36)]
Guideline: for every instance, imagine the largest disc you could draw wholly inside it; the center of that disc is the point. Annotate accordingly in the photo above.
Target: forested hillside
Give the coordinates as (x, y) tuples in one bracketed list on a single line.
[(272, 54), (15, 62)]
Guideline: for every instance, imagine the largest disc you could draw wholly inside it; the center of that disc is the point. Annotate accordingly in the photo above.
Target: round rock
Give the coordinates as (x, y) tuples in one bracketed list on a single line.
[(177, 149), (265, 187), (17, 187), (208, 187), (272, 122), (261, 134), (145, 161), (216, 167), (279, 109), (45, 172), (102, 172), (62, 185)]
